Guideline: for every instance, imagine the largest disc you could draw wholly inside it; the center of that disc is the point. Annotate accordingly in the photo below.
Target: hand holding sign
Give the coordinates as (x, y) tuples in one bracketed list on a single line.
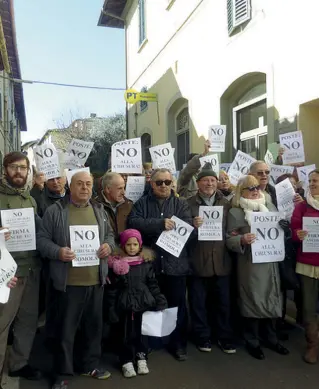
[(197, 222), (247, 239), (7, 233), (302, 234), (104, 251), (66, 254), (12, 283), (169, 224)]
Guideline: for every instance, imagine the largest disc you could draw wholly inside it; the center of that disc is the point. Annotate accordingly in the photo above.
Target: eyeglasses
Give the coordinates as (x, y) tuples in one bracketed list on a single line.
[(252, 188), (262, 172), (18, 167), (161, 182)]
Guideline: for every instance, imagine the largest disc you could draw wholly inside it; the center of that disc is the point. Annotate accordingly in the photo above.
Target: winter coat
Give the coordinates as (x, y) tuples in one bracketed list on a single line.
[(258, 283), (117, 220), (209, 258), (148, 216), (186, 184), (13, 199), (48, 198), (133, 286), (303, 210), (55, 233)]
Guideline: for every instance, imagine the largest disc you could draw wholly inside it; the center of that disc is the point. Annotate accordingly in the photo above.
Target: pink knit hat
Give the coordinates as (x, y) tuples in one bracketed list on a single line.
[(130, 233)]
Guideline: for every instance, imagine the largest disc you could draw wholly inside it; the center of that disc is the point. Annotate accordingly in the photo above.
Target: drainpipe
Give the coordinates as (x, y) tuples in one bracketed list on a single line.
[(126, 72)]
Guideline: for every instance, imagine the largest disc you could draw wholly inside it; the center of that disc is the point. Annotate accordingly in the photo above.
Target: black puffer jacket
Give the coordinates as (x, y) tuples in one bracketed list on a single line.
[(136, 290), (147, 216)]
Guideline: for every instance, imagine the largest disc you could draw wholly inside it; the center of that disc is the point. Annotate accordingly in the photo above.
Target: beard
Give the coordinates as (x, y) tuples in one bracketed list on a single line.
[(14, 184)]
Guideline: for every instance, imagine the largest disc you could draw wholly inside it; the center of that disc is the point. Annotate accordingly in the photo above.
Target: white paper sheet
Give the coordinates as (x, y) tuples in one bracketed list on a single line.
[(8, 268), (77, 153), (22, 227), (240, 166), (217, 137), (70, 173), (212, 227), (278, 170), (135, 187), (294, 152), (47, 160), (311, 242), (159, 324), (213, 160), (127, 156), (85, 242), (163, 157), (285, 194)]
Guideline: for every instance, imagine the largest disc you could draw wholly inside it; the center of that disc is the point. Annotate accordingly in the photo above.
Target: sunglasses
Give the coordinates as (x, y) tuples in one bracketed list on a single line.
[(161, 182), (262, 172), (252, 188)]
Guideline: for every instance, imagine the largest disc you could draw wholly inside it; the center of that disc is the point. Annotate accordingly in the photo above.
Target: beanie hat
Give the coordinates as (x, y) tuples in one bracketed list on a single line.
[(207, 171), (130, 233)]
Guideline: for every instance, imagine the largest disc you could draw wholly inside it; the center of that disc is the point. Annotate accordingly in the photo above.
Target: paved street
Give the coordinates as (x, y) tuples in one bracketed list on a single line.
[(208, 371)]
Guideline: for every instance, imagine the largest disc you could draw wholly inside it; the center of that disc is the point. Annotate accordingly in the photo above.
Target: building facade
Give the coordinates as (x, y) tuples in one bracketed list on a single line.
[(249, 64), (12, 110)]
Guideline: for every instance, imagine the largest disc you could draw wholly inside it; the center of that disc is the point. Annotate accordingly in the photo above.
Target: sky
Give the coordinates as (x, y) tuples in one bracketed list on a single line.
[(59, 41)]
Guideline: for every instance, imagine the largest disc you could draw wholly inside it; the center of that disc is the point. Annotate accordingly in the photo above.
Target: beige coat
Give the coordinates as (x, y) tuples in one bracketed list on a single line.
[(259, 284)]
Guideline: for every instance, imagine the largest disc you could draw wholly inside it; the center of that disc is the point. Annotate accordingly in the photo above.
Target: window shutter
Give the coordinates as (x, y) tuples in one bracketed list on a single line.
[(238, 12)]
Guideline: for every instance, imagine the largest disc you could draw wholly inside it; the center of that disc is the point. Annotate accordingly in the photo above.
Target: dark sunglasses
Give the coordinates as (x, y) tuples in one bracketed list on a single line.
[(161, 182), (252, 188), (261, 173)]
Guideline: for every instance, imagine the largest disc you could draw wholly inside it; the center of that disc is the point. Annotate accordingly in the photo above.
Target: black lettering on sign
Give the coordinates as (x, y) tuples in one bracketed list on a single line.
[(272, 233), (79, 154), (17, 213), (46, 153), (182, 231), (217, 131), (213, 215), (162, 153), (131, 152), (88, 235), (294, 145)]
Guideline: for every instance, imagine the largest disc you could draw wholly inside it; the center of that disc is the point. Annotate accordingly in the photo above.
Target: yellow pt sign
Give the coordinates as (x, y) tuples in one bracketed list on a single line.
[(132, 96)]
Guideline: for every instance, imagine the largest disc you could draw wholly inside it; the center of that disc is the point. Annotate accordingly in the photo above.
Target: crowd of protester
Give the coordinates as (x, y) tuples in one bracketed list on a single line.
[(221, 295)]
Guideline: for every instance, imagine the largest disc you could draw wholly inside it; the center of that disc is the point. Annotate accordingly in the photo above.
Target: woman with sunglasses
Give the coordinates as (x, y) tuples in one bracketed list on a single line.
[(260, 298)]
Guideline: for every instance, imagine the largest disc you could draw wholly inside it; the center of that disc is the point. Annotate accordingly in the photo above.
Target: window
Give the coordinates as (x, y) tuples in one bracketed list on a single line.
[(238, 12), (143, 104), (0, 106), (142, 21), (146, 141), (182, 132)]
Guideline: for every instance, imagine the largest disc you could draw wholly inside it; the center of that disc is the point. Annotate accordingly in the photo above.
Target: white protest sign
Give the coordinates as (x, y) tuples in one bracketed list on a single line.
[(173, 241), (303, 174), (134, 187), (276, 171), (269, 159), (293, 145), (127, 156), (47, 160), (212, 227), (70, 173), (77, 153), (285, 194), (85, 242), (21, 224), (217, 137), (240, 166), (8, 268), (163, 157), (213, 160), (269, 245), (225, 167), (311, 242), (160, 324), (184, 165)]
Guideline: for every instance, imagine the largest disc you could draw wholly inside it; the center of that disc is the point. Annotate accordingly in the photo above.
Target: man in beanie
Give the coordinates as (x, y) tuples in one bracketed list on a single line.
[(22, 307), (151, 215), (211, 266)]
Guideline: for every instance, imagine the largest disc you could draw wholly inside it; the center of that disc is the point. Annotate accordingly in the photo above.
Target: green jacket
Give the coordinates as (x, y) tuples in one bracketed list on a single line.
[(12, 199)]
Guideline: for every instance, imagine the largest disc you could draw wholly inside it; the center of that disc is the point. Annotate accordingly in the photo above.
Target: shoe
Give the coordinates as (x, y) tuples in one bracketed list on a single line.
[(255, 352), (142, 368), (226, 347), (98, 374), (61, 385), (128, 370), (181, 354), (278, 348), (27, 372), (205, 347)]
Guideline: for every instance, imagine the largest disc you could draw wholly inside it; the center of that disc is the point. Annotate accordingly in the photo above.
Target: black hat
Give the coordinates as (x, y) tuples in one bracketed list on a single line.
[(207, 171)]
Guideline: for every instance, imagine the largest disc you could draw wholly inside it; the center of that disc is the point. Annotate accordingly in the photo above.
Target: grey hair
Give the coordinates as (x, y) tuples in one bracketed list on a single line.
[(254, 165), (108, 178), (157, 171)]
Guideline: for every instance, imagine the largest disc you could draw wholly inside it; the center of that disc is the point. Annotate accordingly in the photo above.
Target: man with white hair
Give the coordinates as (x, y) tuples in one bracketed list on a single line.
[(116, 205), (79, 294), (261, 171)]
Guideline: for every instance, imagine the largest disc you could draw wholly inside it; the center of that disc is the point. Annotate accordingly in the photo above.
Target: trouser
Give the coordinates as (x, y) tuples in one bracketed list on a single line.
[(22, 311), (51, 311), (200, 289), (133, 345), (309, 291), (174, 289), (78, 306), (256, 329)]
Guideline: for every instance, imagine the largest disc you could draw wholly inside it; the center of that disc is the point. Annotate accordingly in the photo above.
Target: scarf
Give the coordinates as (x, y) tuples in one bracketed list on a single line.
[(313, 201), (250, 206)]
